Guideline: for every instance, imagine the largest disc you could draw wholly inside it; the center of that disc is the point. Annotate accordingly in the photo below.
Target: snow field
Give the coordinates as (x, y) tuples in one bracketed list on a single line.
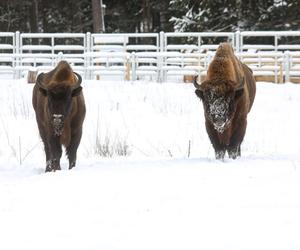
[(163, 193)]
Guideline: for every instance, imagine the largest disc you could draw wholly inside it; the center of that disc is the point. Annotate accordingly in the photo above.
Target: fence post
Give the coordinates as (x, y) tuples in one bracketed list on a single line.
[(17, 58), (127, 68), (276, 42), (276, 68), (161, 41), (237, 41), (287, 64), (18, 42), (160, 58), (87, 59), (241, 41), (52, 44), (88, 42), (60, 56), (209, 58), (133, 66)]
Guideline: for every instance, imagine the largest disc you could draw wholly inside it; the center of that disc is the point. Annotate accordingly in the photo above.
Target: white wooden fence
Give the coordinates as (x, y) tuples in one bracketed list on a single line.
[(159, 56)]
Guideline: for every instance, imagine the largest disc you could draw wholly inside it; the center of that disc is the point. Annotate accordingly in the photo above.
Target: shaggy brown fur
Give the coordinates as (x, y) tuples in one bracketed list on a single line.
[(60, 110), (227, 93)]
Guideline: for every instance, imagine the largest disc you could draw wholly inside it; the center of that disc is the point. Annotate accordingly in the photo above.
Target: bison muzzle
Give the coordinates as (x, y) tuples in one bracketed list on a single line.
[(60, 111)]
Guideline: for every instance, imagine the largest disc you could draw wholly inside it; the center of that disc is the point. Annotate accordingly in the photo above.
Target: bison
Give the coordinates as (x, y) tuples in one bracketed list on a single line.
[(227, 94), (60, 111)]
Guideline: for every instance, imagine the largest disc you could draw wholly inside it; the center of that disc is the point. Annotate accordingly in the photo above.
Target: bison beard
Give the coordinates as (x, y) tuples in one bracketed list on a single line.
[(227, 94), (60, 110)]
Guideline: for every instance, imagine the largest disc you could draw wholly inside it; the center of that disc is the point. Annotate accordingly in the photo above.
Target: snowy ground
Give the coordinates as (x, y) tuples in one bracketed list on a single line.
[(159, 186)]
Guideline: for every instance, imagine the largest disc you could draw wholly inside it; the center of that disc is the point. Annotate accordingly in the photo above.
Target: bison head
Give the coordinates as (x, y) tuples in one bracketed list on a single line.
[(219, 97), (59, 100)]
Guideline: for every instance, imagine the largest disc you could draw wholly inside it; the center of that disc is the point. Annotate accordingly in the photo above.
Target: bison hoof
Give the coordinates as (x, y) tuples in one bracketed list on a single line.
[(72, 165), (220, 155), (233, 155), (52, 168), (49, 170), (234, 152)]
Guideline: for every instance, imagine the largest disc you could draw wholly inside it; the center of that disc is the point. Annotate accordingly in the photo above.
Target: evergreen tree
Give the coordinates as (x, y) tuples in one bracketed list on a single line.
[(150, 15), (206, 15), (232, 15), (137, 16)]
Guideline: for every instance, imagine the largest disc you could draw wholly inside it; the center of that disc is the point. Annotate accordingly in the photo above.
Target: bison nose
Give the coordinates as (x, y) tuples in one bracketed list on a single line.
[(57, 119), (220, 121)]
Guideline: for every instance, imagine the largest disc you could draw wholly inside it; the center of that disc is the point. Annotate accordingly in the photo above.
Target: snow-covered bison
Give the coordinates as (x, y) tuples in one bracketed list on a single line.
[(60, 110), (227, 94)]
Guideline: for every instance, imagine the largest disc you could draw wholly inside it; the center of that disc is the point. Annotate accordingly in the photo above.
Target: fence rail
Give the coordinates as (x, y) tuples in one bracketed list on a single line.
[(159, 56)]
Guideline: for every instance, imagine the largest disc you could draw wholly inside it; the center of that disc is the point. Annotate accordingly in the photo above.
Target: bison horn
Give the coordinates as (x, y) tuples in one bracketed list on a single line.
[(79, 80), (241, 85), (77, 88), (196, 84)]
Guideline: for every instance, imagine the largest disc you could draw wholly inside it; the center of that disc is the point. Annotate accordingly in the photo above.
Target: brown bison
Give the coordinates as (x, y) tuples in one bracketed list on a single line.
[(60, 110), (227, 94)]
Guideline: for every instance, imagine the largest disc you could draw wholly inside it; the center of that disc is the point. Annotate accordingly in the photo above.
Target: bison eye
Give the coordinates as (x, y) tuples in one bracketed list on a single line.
[(57, 95)]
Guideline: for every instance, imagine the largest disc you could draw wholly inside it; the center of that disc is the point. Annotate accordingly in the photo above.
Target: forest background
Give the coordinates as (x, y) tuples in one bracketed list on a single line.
[(148, 15)]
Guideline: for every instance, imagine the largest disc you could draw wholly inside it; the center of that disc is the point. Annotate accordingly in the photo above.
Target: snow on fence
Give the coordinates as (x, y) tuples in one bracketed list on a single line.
[(7, 42), (272, 55), (272, 40), (195, 41), (125, 42)]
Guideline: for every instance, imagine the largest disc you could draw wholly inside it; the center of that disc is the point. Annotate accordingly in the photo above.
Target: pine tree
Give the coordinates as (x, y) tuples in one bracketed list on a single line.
[(232, 15), (206, 15)]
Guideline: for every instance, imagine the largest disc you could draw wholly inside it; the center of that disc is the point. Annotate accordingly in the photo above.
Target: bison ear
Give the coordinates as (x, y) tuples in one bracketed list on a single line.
[(238, 93), (39, 82), (43, 91), (76, 91), (199, 93)]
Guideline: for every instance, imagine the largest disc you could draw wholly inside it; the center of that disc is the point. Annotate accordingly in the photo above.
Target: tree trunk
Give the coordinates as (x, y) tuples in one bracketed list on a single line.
[(163, 20), (146, 16), (240, 18), (98, 19), (33, 11)]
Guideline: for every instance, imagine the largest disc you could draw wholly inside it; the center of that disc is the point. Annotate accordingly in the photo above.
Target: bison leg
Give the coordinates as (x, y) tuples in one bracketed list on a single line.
[(46, 146), (234, 149), (48, 155), (219, 148), (53, 163), (234, 152), (72, 148), (49, 161)]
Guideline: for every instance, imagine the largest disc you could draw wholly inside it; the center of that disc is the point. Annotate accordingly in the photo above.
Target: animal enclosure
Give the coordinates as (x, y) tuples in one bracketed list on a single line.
[(272, 55)]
